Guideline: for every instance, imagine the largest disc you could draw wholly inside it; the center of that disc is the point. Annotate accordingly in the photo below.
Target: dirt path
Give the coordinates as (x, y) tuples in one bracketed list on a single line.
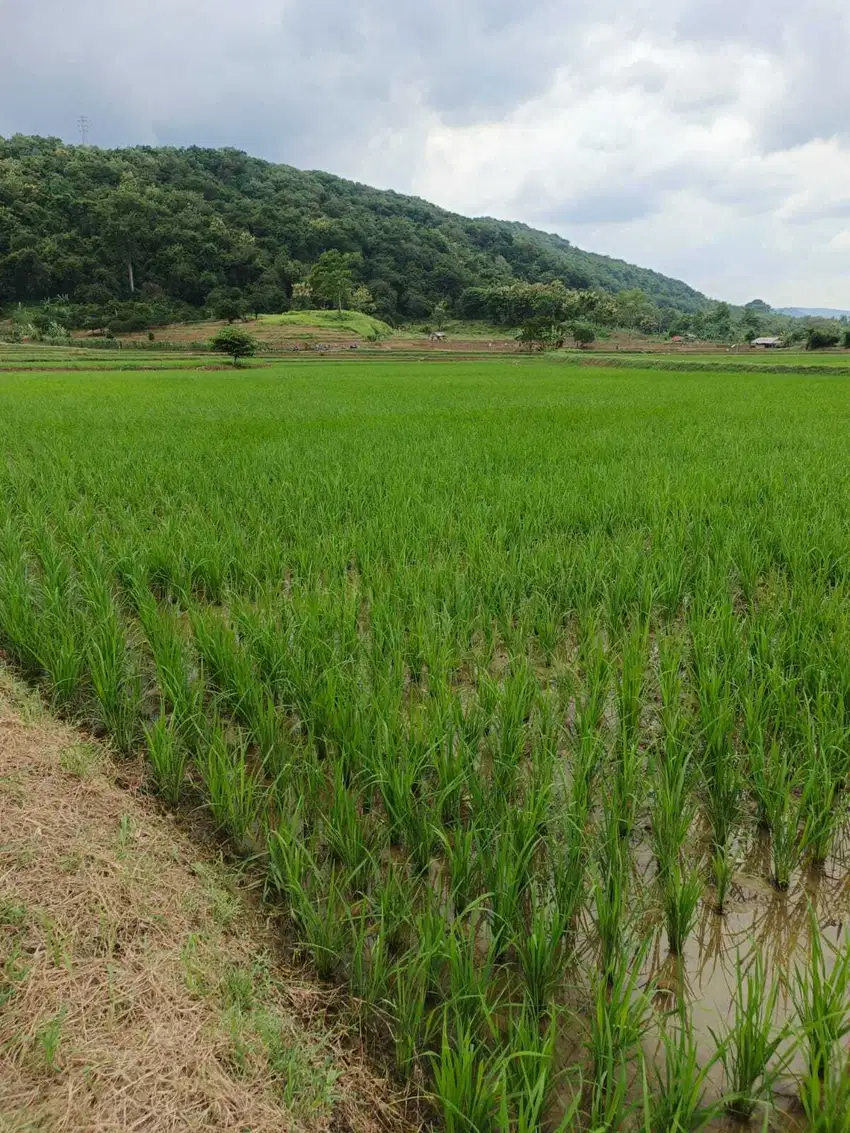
[(140, 988)]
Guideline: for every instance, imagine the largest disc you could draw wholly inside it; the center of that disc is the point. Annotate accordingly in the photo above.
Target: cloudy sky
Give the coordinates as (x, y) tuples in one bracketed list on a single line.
[(709, 139)]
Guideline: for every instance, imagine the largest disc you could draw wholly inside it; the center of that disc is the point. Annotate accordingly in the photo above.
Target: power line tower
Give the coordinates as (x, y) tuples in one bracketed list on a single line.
[(83, 127)]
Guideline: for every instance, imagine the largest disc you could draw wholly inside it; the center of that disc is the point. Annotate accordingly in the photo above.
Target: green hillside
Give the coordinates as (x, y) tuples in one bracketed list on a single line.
[(186, 226)]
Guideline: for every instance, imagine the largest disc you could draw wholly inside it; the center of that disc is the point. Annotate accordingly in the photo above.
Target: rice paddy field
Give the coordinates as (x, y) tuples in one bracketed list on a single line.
[(526, 686)]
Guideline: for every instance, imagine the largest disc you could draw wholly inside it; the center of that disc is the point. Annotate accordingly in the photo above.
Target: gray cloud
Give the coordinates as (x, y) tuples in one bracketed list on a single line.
[(681, 132)]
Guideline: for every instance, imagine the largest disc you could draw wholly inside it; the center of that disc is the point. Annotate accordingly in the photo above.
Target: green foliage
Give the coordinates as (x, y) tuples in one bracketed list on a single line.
[(332, 278), (541, 334), (185, 223), (583, 333), (358, 322), (751, 1043), (235, 342), (453, 651), (820, 339)]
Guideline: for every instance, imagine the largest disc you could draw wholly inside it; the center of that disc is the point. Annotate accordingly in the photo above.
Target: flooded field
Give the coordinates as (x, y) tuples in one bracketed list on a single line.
[(527, 687)]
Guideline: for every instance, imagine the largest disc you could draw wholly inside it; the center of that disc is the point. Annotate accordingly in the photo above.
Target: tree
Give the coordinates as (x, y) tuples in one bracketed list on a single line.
[(818, 339), (362, 300), (751, 323), (439, 314), (583, 333), (331, 278), (845, 340), (226, 304), (720, 321), (235, 342), (541, 334)]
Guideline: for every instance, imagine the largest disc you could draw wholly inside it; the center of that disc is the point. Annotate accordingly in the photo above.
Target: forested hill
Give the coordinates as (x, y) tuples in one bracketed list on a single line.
[(180, 224)]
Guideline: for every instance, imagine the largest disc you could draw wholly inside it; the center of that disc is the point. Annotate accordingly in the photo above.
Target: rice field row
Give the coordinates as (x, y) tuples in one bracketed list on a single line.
[(527, 687)]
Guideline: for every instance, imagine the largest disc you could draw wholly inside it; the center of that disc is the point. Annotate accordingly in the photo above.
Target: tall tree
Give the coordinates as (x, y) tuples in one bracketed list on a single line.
[(332, 278)]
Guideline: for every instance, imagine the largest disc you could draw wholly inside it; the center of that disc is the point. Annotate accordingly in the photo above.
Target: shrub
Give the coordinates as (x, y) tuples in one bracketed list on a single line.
[(237, 343)]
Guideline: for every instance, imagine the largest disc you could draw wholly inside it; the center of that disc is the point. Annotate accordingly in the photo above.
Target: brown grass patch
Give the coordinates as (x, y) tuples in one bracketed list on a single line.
[(141, 985)]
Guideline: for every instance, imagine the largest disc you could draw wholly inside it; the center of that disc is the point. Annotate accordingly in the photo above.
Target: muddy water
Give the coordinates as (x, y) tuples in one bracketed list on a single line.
[(757, 918)]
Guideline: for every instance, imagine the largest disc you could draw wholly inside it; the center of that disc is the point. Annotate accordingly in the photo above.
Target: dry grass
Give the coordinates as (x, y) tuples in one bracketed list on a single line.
[(141, 987)]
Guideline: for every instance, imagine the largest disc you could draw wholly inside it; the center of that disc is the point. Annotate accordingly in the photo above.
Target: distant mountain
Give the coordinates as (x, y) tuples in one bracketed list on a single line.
[(811, 312), (97, 225)]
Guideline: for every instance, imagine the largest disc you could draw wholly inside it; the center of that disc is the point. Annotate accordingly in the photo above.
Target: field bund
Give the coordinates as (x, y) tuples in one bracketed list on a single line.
[(525, 685)]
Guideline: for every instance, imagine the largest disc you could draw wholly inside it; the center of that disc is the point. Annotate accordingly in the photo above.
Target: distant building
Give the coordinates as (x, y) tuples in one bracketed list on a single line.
[(766, 343), (437, 335)]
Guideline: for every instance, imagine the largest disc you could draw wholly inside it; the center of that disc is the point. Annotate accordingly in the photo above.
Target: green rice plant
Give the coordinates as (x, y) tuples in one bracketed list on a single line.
[(619, 1018), (541, 952), (673, 811), (596, 665), (469, 975), (530, 1078), (749, 1046), (116, 686), (19, 615), (371, 965), (398, 779), (507, 870), (393, 899), (629, 787), (234, 794), (321, 913), (462, 863), (290, 861), (824, 809), (468, 1082), (674, 1095), (429, 931), (610, 891), (407, 1005), (722, 872), (826, 1098), (168, 758), (681, 893), (821, 994), (346, 833), (58, 644), (450, 764), (570, 873), (630, 685)]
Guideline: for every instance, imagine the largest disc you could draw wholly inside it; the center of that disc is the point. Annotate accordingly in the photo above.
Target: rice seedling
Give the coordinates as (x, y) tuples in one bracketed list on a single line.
[(320, 911), (619, 1018), (610, 897), (167, 757), (674, 1092), (470, 974), (681, 893), (821, 993), (823, 808), (750, 1046), (826, 1098), (722, 873), (434, 674), (468, 1082), (530, 1078), (462, 864), (541, 955), (234, 794)]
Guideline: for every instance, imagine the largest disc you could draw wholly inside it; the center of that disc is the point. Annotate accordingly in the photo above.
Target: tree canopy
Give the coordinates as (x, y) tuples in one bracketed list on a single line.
[(204, 227)]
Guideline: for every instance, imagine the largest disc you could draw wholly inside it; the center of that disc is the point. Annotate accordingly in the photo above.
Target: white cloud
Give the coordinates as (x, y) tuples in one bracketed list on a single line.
[(704, 138)]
